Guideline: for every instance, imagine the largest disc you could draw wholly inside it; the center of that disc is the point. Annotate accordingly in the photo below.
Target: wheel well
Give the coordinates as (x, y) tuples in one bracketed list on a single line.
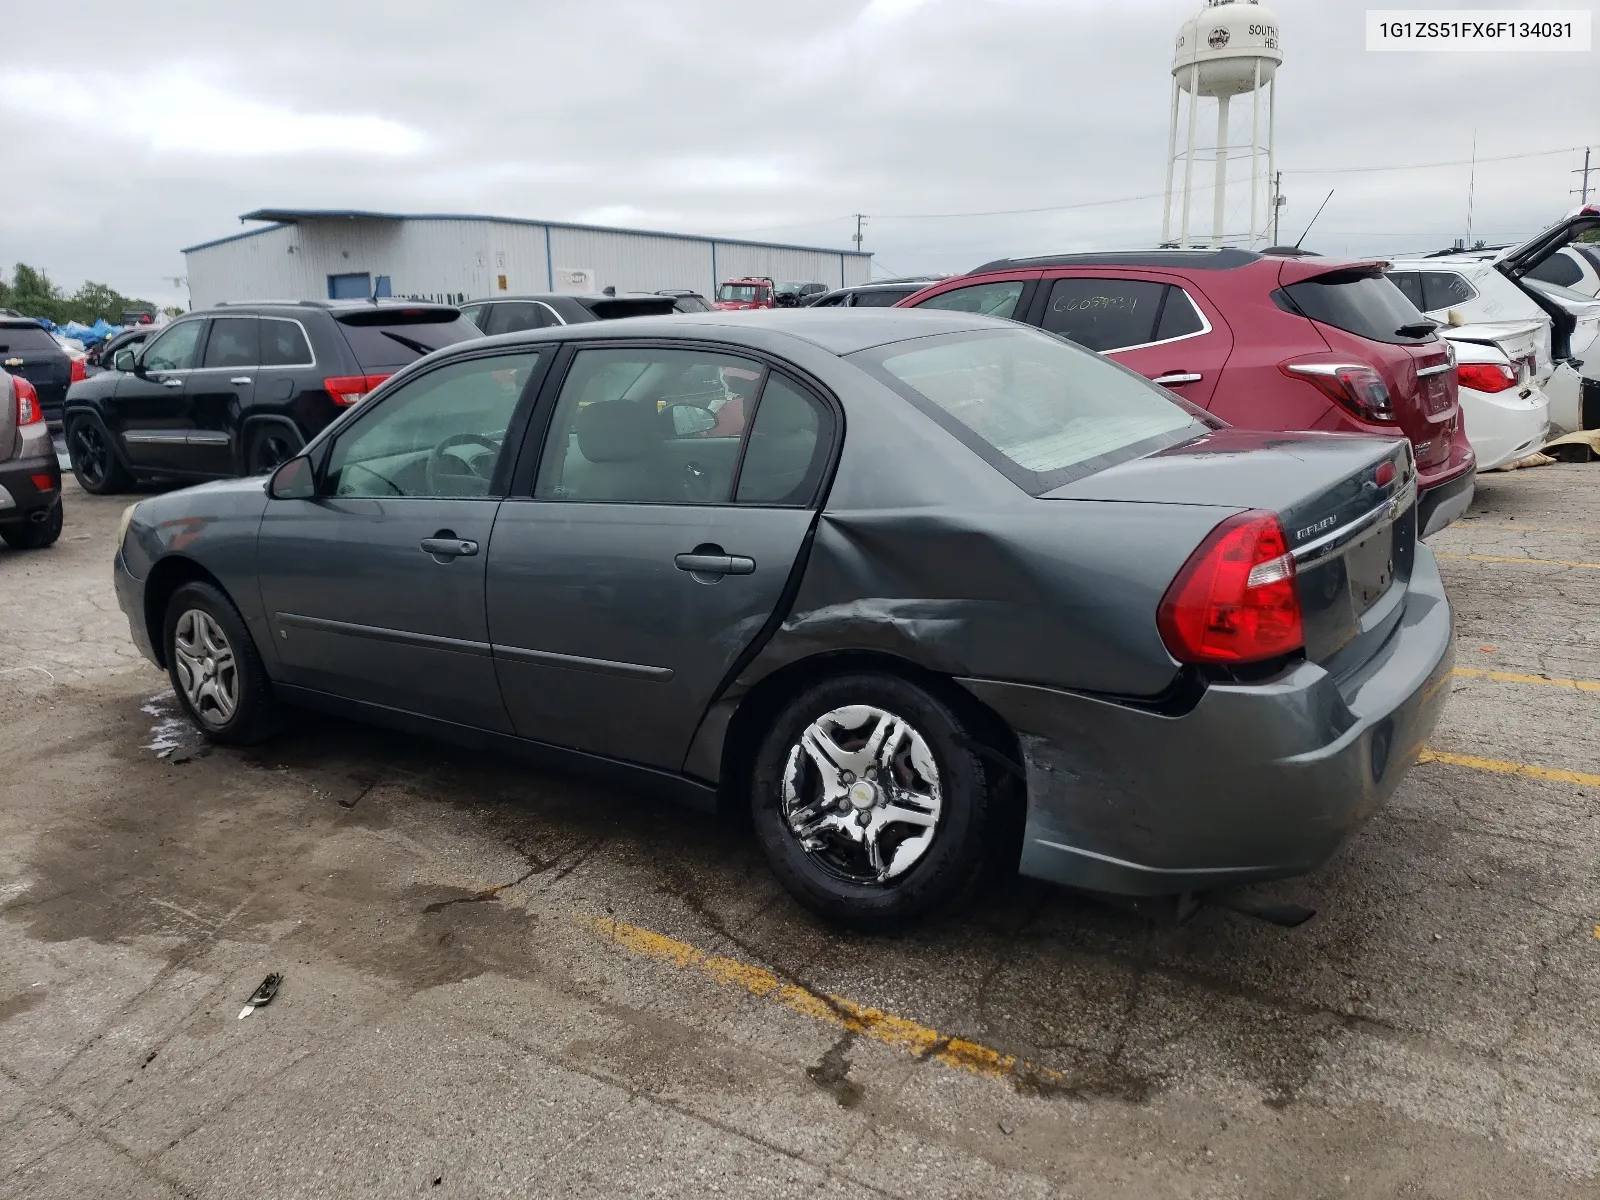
[(166, 577), (757, 711)]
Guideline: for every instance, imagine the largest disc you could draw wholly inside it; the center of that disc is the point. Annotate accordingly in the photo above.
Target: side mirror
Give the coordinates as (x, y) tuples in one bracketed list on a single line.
[(295, 480), (690, 419), (123, 360)]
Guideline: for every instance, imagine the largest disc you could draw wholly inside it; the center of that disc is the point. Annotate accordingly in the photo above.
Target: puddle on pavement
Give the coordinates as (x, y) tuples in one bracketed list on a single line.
[(171, 730)]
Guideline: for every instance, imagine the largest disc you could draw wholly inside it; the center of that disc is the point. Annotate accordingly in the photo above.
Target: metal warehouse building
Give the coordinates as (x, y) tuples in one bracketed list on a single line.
[(309, 254)]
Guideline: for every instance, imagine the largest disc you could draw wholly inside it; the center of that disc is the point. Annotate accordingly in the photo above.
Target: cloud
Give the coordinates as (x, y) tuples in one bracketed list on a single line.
[(179, 111)]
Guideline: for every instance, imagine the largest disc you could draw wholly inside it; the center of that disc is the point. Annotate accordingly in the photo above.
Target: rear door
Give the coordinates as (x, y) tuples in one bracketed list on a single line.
[(652, 545), (375, 588), (220, 390), (1149, 322), (151, 407)]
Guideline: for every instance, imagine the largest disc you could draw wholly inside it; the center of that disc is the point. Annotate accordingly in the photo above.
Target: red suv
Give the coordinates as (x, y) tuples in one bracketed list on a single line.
[(745, 293), (1264, 342)]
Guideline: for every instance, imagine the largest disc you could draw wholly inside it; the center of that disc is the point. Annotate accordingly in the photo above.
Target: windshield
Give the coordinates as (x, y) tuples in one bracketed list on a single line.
[(1041, 410), (745, 292), (790, 288)]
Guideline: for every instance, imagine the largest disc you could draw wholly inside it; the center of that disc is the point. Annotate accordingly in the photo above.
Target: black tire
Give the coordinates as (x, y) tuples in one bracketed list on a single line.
[(254, 713), (269, 446), (964, 839), (94, 459), (34, 535)]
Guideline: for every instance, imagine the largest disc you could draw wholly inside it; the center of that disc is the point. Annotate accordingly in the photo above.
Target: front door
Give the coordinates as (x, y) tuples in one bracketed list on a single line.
[(374, 590), (662, 527), (220, 391), (152, 409), (1148, 323)]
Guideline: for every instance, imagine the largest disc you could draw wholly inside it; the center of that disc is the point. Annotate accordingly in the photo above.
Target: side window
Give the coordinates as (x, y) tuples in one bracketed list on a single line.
[(514, 316), (1410, 282), (1104, 314), (439, 435), (987, 299), (885, 298), (178, 349), (233, 342), (648, 426), (283, 344), (1441, 289), (788, 446), (473, 313), (1179, 317), (831, 301)]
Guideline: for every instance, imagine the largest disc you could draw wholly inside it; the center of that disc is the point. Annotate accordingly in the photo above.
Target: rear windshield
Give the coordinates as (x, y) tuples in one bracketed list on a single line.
[(630, 306), (29, 339), (392, 338), (1365, 303), (1040, 410), (741, 291)]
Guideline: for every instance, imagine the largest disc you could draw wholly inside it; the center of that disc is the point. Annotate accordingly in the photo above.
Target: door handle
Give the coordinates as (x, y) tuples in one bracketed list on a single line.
[(1178, 377), (240, 379), (715, 564), (172, 383), (449, 547)]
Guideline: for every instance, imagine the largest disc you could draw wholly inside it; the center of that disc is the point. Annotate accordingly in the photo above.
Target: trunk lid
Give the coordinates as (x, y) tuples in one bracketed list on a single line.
[(1347, 504), (1520, 341), (1519, 260)]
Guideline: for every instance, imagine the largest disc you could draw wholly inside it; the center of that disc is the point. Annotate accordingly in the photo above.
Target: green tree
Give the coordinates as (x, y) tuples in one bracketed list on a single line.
[(32, 293)]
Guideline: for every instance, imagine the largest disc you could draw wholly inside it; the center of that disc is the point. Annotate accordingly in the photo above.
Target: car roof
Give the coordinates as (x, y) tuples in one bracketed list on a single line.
[(838, 331), (1226, 259), (19, 323), (334, 306)]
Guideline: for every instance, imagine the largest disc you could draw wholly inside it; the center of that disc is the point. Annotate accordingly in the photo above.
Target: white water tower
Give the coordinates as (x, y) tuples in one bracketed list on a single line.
[(1229, 48)]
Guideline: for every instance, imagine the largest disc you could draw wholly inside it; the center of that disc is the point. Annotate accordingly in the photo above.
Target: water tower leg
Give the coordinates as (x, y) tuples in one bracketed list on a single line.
[(1272, 152), (1188, 154), (1172, 149), (1222, 170), (1255, 148)]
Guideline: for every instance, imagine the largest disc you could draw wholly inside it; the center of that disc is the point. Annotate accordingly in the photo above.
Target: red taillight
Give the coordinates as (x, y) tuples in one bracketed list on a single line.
[(1353, 386), (350, 389), (1486, 377), (28, 410), (1385, 473), (79, 371), (1235, 601), (43, 483)]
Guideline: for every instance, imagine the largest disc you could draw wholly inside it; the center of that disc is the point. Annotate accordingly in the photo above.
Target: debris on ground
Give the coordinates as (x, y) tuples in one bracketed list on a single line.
[(262, 996)]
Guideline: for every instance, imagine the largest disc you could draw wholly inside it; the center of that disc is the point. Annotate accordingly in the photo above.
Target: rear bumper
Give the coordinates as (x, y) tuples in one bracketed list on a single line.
[(1505, 426), (1257, 781), (21, 499), (1444, 502)]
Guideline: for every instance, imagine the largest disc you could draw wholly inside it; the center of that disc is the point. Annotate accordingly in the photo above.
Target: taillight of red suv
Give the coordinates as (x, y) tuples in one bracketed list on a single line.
[(1355, 387)]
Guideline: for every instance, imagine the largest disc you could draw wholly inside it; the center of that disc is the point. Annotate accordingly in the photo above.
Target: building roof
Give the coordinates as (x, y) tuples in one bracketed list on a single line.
[(281, 217)]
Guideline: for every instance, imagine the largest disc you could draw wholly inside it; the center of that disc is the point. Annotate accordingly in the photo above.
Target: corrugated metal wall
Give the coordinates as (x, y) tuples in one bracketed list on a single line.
[(463, 259)]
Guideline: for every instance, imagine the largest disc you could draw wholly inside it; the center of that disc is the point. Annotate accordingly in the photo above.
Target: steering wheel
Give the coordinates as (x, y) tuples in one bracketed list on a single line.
[(444, 468)]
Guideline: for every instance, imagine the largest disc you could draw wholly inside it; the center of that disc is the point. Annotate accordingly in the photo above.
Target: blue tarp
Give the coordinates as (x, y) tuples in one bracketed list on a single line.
[(89, 335)]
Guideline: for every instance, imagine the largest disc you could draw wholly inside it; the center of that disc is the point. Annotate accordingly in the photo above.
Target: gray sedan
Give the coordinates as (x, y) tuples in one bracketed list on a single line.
[(925, 591)]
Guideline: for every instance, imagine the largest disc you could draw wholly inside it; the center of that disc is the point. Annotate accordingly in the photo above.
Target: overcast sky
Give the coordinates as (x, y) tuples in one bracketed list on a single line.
[(156, 125)]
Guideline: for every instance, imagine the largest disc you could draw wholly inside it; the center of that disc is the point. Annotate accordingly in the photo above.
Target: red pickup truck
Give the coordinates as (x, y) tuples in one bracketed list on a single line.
[(745, 293)]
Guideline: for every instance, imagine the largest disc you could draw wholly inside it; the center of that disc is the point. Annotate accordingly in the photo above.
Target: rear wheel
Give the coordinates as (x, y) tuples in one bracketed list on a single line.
[(34, 535), (94, 462), (269, 447), (215, 668), (869, 804)]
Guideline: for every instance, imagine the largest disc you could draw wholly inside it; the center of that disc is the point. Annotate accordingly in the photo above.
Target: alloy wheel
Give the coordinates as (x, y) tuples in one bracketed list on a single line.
[(862, 794), (89, 452), (206, 669)]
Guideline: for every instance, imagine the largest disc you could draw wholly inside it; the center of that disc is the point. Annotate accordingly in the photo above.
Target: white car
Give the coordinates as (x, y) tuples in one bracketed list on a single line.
[(1576, 266), (1462, 289), (1507, 414)]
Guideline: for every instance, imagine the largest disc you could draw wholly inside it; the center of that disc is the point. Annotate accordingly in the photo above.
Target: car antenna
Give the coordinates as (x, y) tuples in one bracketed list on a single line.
[(1314, 216)]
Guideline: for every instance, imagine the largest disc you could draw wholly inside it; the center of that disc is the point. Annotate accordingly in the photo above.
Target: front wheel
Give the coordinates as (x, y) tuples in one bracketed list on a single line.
[(871, 807), (215, 668), (94, 460)]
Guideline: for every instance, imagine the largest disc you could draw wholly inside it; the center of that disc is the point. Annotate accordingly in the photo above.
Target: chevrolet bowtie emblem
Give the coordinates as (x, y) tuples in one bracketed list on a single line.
[(13, 362)]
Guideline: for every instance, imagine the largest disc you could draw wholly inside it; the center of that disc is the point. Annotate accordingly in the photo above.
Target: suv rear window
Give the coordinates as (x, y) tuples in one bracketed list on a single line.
[(1040, 410), (28, 339), (393, 337), (1365, 303), (613, 307)]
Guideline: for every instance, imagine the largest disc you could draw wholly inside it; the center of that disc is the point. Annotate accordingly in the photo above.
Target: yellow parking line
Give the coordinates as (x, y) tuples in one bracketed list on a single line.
[(1538, 562), (1581, 685), (873, 1023), (1502, 767)]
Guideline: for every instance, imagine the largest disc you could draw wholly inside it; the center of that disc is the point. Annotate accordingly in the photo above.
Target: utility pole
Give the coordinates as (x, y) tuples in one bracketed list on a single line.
[(860, 221), (1584, 191)]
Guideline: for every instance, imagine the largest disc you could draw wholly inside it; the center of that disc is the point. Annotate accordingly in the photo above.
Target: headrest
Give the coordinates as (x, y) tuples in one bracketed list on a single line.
[(617, 430)]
